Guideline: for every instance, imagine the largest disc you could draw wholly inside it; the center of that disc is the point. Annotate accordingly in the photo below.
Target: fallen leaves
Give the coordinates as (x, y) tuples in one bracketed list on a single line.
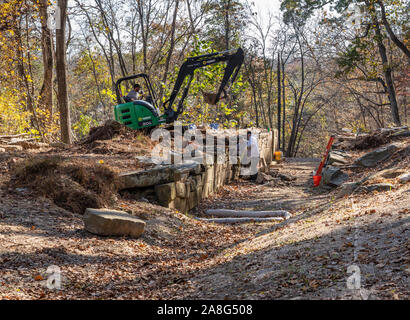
[(203, 256), (314, 284), (38, 278), (162, 267)]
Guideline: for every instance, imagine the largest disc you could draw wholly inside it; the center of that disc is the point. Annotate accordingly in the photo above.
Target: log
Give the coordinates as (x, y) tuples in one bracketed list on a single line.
[(240, 220), (19, 140), (14, 136), (247, 213)]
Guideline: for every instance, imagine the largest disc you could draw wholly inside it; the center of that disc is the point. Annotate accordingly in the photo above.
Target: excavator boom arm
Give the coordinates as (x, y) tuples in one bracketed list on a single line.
[(234, 61)]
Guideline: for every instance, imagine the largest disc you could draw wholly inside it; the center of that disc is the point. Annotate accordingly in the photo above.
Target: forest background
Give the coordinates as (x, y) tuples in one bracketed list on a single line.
[(311, 67)]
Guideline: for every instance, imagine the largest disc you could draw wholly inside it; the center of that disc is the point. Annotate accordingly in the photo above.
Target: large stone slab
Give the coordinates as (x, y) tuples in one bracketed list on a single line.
[(165, 193), (379, 187), (263, 178), (393, 130), (337, 157), (404, 178), (370, 159), (333, 176), (347, 189), (157, 175), (208, 181), (391, 173), (106, 222), (181, 204), (181, 190), (402, 133)]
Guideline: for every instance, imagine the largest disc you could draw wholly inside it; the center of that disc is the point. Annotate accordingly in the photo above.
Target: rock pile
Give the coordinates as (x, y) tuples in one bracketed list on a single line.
[(273, 177)]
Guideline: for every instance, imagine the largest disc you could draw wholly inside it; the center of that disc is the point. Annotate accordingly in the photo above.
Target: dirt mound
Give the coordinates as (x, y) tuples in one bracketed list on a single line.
[(115, 138), (374, 139), (72, 185), (108, 131), (370, 141)]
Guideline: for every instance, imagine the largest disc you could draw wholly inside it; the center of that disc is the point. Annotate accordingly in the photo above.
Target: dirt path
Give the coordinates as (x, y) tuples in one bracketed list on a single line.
[(306, 256), (292, 196)]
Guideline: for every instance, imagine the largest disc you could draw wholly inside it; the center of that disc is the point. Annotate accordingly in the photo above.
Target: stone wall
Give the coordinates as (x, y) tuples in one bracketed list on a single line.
[(268, 144), (185, 193), (183, 186)]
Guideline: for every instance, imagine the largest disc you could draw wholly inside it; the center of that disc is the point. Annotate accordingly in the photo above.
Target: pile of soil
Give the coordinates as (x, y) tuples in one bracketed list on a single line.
[(71, 185), (115, 138), (370, 141), (110, 130)]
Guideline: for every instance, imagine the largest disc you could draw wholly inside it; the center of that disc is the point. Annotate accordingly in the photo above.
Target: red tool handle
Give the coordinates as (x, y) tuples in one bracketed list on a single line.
[(322, 163)]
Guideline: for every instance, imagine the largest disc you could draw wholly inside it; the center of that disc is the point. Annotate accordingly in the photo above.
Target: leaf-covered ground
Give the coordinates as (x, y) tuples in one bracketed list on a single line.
[(306, 256)]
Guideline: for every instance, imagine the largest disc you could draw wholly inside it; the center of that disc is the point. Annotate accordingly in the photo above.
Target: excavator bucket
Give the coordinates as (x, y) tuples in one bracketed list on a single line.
[(210, 97)]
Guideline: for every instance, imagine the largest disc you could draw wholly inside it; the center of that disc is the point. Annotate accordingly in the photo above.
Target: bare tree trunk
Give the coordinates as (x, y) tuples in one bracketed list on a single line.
[(298, 102), (283, 105), (24, 81), (61, 72), (171, 49), (279, 100), (227, 23), (95, 75), (389, 79), (107, 56), (255, 107), (386, 68), (46, 91), (141, 13), (251, 79), (110, 36), (191, 20), (392, 36)]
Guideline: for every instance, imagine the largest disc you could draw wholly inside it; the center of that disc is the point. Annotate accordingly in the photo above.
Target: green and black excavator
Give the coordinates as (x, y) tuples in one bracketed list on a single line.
[(143, 114)]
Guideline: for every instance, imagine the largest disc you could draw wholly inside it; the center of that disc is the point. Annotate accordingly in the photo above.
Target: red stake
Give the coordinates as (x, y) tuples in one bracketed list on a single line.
[(318, 176)]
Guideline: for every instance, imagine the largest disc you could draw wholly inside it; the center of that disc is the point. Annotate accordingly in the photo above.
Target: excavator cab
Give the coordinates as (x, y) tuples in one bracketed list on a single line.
[(142, 114), (137, 114)]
